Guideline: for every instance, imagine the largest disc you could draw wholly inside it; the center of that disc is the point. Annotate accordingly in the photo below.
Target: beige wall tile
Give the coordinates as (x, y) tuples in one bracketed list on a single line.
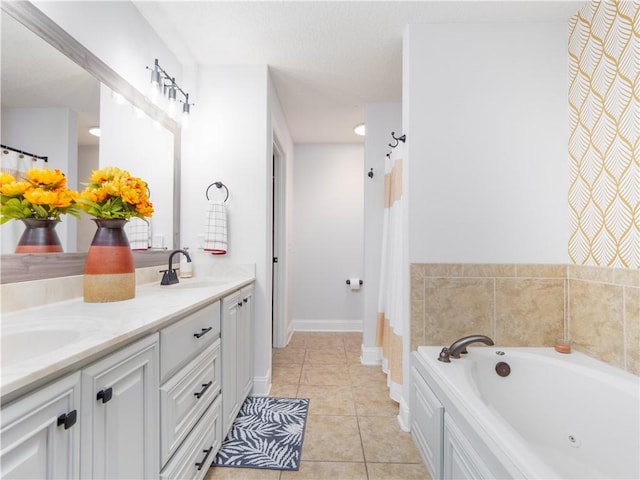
[(541, 271), (596, 320), (488, 270), (443, 269), (626, 277), (455, 307), (632, 329), (589, 273), (529, 312)]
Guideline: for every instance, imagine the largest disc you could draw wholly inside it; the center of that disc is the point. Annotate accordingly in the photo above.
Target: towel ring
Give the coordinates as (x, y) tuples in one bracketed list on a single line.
[(218, 185)]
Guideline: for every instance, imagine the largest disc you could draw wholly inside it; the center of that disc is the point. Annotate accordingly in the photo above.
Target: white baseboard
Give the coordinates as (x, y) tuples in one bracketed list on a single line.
[(327, 325), (261, 385), (371, 355), (404, 416)]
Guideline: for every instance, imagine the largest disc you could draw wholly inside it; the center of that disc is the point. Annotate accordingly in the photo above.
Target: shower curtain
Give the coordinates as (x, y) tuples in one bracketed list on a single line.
[(16, 164), (390, 303)]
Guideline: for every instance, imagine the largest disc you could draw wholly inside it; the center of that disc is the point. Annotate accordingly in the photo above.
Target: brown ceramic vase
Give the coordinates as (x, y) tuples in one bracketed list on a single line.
[(39, 236), (109, 270)]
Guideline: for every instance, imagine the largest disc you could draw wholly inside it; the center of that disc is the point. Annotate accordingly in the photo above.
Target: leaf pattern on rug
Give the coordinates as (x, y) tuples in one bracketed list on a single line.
[(267, 433)]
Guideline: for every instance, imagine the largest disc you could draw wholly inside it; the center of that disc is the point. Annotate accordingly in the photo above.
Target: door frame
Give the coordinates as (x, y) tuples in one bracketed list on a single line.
[(278, 248)]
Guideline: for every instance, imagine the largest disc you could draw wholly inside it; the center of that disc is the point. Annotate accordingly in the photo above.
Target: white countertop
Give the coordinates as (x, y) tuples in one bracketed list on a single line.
[(85, 331)]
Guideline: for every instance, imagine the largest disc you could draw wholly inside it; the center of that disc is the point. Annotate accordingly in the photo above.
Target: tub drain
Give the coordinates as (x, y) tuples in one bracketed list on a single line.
[(574, 441)]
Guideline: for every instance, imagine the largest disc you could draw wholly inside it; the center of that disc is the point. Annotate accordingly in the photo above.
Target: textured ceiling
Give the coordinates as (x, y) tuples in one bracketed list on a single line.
[(327, 59)]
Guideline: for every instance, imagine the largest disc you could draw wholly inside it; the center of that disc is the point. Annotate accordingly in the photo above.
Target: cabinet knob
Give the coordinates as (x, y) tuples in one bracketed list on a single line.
[(68, 419), (105, 395), (207, 452), (245, 300), (240, 303)]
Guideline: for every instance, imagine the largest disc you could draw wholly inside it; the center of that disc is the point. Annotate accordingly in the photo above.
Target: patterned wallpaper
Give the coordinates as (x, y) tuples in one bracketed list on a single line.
[(604, 126)]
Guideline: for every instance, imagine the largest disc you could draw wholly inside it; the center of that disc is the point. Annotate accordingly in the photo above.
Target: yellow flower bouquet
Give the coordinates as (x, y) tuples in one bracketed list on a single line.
[(115, 194), (42, 194)]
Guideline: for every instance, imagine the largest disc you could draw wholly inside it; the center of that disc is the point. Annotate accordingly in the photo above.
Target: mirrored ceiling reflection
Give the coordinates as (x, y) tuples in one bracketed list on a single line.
[(36, 75)]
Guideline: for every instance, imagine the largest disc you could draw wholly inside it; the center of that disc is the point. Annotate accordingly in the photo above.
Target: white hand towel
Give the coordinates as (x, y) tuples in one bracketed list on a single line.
[(215, 230), (137, 231)]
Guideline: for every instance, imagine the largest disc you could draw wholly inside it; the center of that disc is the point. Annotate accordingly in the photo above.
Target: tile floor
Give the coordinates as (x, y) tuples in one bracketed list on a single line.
[(352, 431)]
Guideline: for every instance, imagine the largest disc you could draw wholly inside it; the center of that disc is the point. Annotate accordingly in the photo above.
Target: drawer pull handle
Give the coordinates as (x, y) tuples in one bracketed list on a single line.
[(204, 330), (68, 419), (204, 389), (105, 395), (206, 452)]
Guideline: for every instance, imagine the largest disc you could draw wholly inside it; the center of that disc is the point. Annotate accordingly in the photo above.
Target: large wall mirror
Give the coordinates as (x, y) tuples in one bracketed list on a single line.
[(53, 91)]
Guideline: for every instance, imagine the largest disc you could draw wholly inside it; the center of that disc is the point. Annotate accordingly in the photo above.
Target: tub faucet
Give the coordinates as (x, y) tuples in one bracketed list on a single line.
[(460, 346), (170, 276)]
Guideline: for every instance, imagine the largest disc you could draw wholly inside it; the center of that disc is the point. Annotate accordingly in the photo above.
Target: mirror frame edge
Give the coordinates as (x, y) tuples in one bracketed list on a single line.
[(20, 267)]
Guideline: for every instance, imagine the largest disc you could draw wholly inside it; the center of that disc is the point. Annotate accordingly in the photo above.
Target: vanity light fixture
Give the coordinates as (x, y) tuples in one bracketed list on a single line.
[(164, 91), (359, 129), (95, 131)]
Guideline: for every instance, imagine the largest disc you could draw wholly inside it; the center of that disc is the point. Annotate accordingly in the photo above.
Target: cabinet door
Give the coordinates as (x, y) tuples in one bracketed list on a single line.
[(245, 345), (229, 341), (40, 434), (120, 414)]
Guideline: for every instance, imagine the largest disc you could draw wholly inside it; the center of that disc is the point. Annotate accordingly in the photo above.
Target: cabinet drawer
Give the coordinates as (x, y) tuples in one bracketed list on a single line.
[(185, 397), (183, 340), (195, 455)]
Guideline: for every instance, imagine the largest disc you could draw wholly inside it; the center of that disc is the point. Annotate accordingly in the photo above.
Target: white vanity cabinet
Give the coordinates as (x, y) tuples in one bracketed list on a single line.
[(119, 414), (237, 353), (40, 433), (190, 404)]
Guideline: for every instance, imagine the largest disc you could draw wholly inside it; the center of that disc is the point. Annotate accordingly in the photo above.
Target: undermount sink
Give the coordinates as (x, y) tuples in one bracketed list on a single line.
[(186, 284), (21, 345)]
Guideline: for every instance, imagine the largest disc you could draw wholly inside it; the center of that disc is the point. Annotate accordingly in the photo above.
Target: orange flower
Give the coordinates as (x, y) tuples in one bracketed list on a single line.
[(114, 193)]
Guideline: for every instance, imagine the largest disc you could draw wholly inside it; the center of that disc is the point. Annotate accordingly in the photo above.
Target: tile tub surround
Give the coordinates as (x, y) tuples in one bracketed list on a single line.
[(530, 305)]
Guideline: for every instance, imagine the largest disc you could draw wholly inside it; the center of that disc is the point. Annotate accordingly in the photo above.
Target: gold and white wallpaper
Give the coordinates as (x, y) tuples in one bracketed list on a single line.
[(604, 126)]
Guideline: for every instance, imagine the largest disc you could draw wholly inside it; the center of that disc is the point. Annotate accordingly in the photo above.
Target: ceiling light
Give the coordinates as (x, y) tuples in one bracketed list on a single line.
[(359, 129), (95, 131)]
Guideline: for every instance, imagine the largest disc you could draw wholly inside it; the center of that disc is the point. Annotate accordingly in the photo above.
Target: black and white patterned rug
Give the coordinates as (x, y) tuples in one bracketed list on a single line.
[(267, 433)]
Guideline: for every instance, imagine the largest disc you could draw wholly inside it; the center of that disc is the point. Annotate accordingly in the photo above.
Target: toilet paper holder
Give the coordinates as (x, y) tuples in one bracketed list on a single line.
[(349, 282)]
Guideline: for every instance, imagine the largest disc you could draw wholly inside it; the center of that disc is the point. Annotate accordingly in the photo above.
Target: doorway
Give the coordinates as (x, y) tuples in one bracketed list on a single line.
[(278, 249)]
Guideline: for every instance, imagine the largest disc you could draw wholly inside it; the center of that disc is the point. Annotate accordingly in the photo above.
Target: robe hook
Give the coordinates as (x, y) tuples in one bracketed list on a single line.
[(399, 139)]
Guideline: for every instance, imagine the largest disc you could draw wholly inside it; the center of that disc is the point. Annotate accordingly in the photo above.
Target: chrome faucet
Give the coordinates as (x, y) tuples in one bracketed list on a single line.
[(170, 276), (460, 346)]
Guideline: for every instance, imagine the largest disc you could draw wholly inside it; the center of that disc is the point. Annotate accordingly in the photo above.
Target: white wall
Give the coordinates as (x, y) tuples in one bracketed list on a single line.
[(229, 140), (484, 110), (328, 233), (381, 119), (50, 132)]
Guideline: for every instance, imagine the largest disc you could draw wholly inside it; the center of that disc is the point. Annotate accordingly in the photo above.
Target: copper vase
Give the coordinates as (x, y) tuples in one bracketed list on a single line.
[(109, 270)]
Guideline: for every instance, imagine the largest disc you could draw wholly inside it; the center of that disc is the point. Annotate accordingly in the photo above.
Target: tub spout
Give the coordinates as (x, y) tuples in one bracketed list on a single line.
[(460, 346)]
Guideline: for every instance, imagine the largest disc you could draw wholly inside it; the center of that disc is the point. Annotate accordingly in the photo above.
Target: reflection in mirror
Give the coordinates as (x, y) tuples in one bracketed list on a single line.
[(48, 105)]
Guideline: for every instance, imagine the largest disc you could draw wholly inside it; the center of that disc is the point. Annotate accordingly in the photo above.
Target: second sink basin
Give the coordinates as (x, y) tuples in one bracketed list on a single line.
[(21, 345)]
